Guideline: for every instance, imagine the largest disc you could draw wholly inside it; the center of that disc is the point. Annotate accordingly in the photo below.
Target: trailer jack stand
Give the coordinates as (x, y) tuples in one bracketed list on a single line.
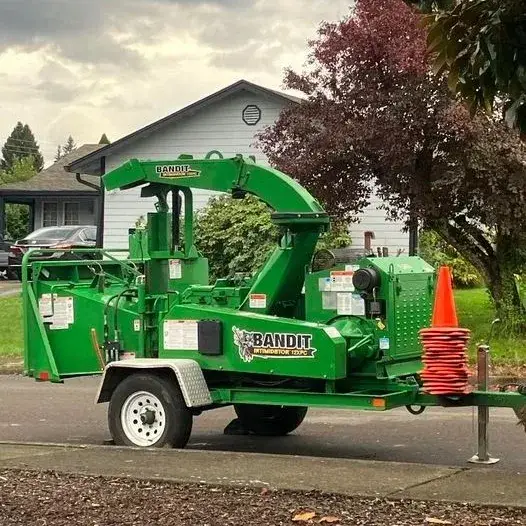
[(483, 456)]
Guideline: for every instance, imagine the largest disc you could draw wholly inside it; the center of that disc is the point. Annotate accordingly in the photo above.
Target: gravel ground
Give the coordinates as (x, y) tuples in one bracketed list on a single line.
[(55, 499)]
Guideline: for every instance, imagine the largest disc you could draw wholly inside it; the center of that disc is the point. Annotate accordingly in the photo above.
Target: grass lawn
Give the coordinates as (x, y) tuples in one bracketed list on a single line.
[(475, 313), (11, 344), (473, 306)]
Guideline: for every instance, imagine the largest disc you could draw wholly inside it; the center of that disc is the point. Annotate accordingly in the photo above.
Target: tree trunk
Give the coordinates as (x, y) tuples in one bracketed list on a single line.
[(498, 264), (502, 285)]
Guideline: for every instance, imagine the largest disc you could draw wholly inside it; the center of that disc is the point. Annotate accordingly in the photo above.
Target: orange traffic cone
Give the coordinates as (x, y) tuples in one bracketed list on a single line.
[(445, 344), (444, 310)]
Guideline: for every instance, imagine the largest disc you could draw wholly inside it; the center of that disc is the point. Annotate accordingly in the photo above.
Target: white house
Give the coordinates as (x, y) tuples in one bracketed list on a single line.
[(228, 121), (53, 196)]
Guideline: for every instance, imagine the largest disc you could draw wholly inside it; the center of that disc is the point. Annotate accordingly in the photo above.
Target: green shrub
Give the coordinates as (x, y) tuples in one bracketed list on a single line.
[(337, 237), (437, 252), (17, 221), (237, 235)]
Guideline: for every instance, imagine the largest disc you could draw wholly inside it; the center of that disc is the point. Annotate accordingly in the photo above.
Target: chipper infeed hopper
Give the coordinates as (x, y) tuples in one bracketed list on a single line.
[(171, 345)]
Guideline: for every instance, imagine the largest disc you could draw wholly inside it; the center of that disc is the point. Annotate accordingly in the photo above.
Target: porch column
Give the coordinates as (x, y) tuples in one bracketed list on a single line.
[(31, 219), (2, 218)]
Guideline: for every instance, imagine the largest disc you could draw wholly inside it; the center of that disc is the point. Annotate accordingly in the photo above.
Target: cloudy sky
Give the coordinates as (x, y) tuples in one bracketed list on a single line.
[(84, 67)]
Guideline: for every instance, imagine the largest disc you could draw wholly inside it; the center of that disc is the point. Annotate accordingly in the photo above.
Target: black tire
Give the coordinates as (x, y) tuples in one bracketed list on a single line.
[(175, 418), (14, 274), (270, 420)]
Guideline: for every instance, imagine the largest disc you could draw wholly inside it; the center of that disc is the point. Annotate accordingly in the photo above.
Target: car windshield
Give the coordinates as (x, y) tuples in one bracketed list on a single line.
[(51, 233)]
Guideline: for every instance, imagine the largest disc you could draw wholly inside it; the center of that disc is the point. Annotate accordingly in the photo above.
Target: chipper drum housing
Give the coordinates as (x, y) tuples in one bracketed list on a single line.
[(170, 344)]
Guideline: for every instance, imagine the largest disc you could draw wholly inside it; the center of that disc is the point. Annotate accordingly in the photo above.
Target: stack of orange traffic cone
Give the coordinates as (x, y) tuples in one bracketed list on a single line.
[(445, 344)]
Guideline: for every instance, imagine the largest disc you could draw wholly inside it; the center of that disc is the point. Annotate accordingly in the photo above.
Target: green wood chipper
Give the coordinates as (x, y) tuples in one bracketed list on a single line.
[(170, 345)]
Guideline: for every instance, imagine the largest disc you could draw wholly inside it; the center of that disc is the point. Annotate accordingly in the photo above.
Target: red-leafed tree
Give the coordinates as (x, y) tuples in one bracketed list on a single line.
[(374, 116)]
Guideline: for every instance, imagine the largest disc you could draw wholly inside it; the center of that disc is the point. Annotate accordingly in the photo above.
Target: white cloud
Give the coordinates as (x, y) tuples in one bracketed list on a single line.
[(85, 67)]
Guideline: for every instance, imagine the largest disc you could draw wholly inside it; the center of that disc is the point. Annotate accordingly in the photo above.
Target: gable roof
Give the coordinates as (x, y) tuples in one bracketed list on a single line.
[(55, 178), (91, 163)]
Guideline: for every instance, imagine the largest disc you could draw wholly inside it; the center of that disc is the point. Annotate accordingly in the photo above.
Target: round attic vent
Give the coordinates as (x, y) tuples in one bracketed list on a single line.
[(251, 114)]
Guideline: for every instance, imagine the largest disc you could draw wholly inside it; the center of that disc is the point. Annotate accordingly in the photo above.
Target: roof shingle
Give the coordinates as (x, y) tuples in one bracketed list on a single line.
[(55, 178)]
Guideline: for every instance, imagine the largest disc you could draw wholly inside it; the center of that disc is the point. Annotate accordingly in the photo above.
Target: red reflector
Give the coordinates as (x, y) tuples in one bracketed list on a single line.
[(379, 403), (44, 375)]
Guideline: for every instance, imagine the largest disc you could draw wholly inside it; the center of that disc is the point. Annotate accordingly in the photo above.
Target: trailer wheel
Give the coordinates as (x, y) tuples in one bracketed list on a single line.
[(149, 411), (270, 420)]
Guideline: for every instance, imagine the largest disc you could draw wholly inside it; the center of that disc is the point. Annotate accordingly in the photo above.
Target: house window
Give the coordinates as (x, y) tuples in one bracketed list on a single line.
[(71, 214), (49, 214), (90, 207)]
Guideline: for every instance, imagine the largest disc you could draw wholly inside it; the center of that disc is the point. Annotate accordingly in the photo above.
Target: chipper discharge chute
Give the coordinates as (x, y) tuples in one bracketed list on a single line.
[(171, 345)]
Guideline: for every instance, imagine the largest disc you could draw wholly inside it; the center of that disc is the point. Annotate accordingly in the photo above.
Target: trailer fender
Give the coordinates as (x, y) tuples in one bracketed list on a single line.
[(186, 373)]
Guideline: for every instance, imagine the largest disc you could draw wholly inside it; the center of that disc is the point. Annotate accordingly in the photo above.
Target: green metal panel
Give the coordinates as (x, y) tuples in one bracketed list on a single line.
[(138, 244), (278, 190), (372, 400), (38, 357), (412, 297), (399, 265), (355, 400), (406, 284), (324, 357), (405, 290)]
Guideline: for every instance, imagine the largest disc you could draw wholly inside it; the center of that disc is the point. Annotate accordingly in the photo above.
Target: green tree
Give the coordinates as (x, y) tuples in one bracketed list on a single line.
[(17, 221), (21, 143), (375, 117), (69, 146), (481, 44), (16, 215), (337, 237), (237, 235), (104, 139), (58, 155), (438, 252), (22, 169)]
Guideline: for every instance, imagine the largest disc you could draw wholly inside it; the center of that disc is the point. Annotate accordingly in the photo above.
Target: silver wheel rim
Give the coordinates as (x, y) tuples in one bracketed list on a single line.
[(143, 418)]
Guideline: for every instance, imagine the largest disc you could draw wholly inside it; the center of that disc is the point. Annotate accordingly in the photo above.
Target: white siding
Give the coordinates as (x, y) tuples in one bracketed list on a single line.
[(386, 233), (217, 127)]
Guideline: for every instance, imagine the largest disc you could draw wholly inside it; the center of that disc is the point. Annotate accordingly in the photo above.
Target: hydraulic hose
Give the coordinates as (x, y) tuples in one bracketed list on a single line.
[(106, 307)]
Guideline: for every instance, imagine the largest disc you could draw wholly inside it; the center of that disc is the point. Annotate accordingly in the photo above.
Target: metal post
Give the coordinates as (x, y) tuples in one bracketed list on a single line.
[(413, 238), (482, 456), (2, 219)]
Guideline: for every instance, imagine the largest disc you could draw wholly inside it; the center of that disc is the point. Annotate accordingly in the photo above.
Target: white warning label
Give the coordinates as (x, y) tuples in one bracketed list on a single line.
[(384, 344), (350, 304), (337, 281), (258, 301), (329, 300), (341, 280), (45, 306), (180, 335), (175, 269), (59, 311)]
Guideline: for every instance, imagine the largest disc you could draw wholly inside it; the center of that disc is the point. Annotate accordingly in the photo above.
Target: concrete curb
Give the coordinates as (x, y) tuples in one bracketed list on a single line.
[(374, 479), (8, 368)]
